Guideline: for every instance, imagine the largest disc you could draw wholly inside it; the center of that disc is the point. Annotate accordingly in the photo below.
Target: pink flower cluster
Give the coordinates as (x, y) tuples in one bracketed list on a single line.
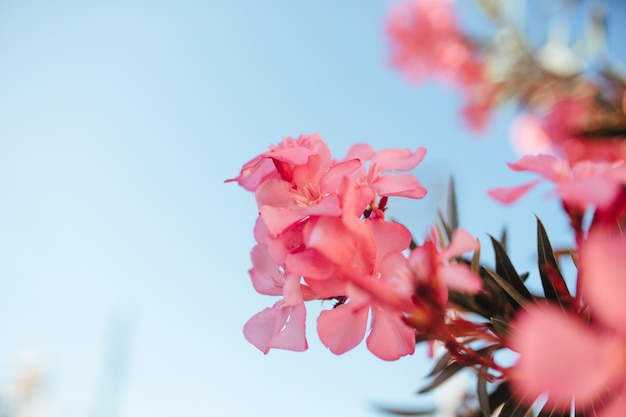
[(322, 234), (426, 41)]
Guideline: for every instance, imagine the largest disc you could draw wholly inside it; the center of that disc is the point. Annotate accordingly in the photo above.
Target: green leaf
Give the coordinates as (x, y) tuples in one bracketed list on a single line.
[(492, 8), (446, 226), (453, 212), (501, 326), (498, 396), (503, 238), (441, 364), (475, 264), (505, 269), (551, 412), (513, 408), (482, 394), (509, 289), (443, 376), (399, 412), (554, 286)]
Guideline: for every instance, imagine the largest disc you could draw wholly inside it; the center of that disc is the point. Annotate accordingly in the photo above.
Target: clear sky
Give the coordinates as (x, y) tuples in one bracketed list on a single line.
[(124, 256)]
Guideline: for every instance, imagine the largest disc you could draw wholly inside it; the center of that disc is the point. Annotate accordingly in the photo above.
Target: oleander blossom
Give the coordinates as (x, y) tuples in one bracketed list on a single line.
[(570, 358), (582, 185), (321, 229), (566, 129), (425, 41)]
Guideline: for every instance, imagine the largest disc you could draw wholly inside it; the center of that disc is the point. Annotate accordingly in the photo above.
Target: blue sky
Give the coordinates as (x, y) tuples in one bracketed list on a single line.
[(123, 254)]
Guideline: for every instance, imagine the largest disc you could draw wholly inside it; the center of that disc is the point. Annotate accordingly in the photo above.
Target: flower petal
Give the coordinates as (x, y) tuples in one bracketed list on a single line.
[(562, 357), (508, 195), (602, 266), (280, 326), (460, 277), (548, 166), (390, 337), (585, 192), (402, 185), (398, 159), (266, 277), (460, 243), (342, 328)]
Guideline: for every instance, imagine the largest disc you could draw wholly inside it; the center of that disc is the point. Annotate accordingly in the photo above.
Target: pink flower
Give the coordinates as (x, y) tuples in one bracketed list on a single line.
[(320, 229), (568, 358), (311, 191), (559, 130), (376, 175), (281, 326), (563, 358), (480, 99), (427, 272), (280, 160), (426, 42), (528, 136), (602, 265), (343, 327), (582, 185), (431, 267), (359, 248), (425, 39)]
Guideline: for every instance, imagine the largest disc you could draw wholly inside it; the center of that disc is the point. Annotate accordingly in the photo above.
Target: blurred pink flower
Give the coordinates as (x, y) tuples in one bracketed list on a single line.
[(565, 359), (570, 358), (527, 135), (426, 41), (560, 130), (582, 185)]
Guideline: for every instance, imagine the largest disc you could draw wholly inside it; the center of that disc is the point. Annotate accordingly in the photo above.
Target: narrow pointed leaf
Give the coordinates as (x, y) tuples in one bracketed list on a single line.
[(508, 288), (475, 265), (441, 237), (554, 287), (482, 394), (505, 269), (453, 212), (399, 412), (547, 411), (446, 374), (445, 225), (501, 326), (441, 364), (499, 395), (513, 408)]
